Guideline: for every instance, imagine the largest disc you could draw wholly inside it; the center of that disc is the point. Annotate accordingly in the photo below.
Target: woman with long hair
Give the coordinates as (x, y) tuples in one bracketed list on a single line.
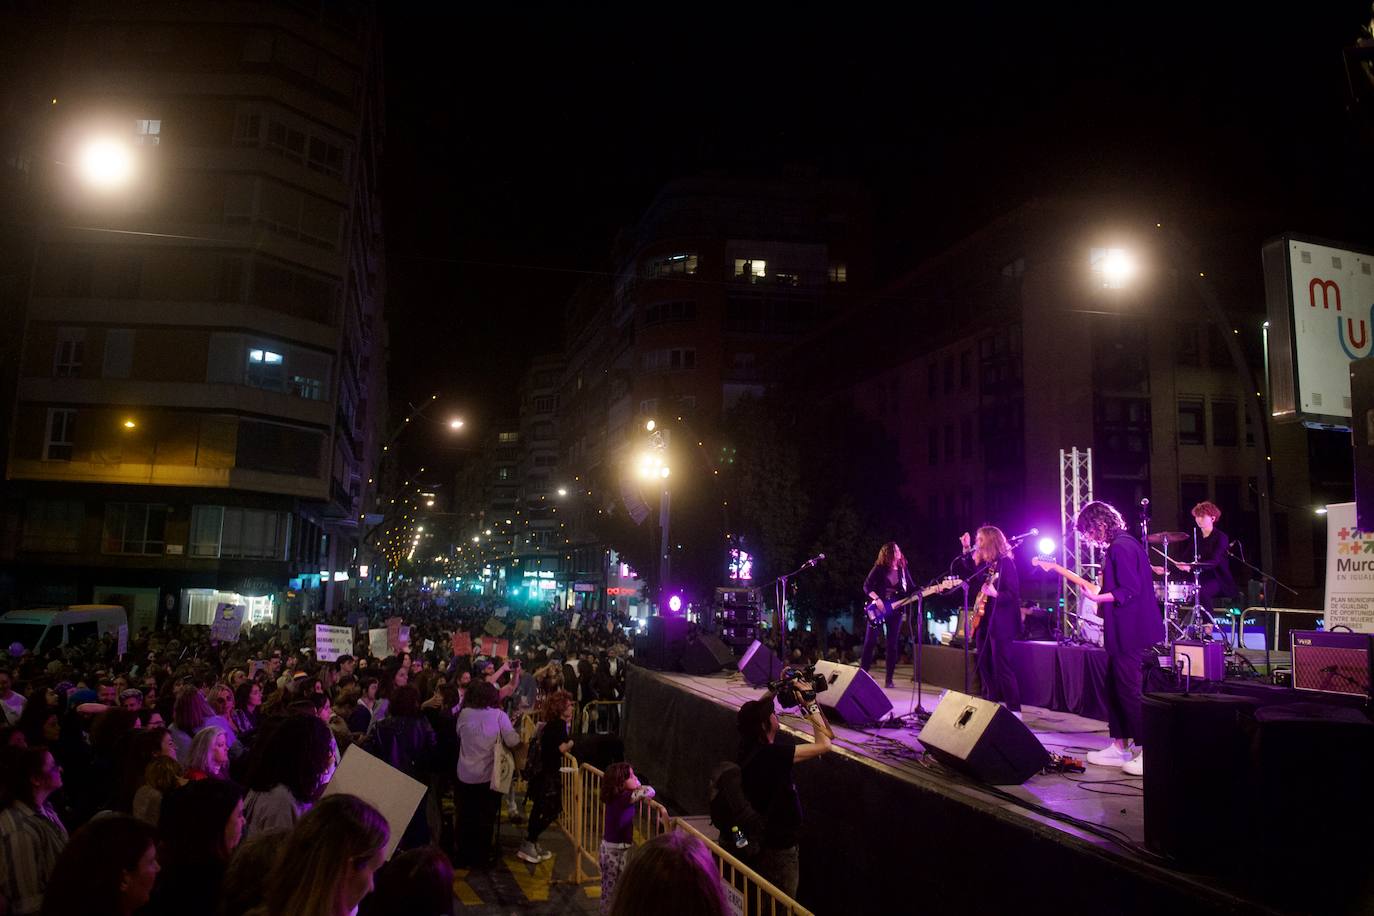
[(480, 725), (555, 740), (209, 754), (142, 747), (108, 869), (247, 699), (160, 777), (887, 581), (192, 713), (672, 874), (201, 825), (329, 861), (1000, 598), (1131, 625), (31, 835), (290, 767)]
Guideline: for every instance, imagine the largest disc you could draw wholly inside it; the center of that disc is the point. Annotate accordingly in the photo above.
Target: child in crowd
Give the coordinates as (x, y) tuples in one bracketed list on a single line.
[(621, 790)]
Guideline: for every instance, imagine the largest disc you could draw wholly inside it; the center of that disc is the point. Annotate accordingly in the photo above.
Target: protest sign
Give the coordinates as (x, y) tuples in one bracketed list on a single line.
[(403, 639), (462, 644), (501, 648), (575, 619), (494, 627), (428, 646), (538, 622), (228, 622), (377, 642), (502, 611), (331, 642), (522, 627), (384, 787), (123, 639), (487, 644), (393, 633)]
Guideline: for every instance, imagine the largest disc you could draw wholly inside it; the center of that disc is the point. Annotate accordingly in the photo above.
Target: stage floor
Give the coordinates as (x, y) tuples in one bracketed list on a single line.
[(1100, 795)]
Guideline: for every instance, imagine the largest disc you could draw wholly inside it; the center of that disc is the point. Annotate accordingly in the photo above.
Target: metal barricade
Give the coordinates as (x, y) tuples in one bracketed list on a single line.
[(751, 894), (600, 717), (583, 818)]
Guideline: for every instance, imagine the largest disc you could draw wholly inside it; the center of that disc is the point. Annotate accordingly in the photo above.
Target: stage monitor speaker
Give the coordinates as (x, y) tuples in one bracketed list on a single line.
[(1332, 662), (851, 693), (1199, 661), (982, 739), (759, 665), (706, 654), (664, 643)]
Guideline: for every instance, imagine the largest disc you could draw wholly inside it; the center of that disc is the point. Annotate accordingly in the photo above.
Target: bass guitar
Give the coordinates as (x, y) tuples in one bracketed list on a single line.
[(880, 610)]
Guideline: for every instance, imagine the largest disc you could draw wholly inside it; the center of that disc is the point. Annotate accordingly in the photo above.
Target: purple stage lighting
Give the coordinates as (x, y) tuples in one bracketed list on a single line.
[(675, 604), (1046, 547)]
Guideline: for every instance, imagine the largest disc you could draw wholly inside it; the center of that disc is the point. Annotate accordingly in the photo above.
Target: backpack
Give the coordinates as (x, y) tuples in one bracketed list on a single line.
[(534, 758), (741, 827)]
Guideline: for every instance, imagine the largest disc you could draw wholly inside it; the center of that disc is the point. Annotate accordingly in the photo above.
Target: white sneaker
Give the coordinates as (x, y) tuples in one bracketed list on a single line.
[(1135, 766), (529, 853), (1109, 756), (544, 854)]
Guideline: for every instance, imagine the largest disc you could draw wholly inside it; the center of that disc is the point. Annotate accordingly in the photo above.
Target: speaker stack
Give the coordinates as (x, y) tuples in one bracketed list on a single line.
[(663, 644), (706, 654), (737, 617), (760, 664)]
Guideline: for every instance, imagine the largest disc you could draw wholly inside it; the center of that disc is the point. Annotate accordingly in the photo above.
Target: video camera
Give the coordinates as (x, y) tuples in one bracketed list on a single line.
[(797, 686)]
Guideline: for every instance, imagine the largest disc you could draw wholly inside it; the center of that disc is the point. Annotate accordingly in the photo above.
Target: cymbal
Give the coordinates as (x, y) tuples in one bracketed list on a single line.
[(1166, 537)]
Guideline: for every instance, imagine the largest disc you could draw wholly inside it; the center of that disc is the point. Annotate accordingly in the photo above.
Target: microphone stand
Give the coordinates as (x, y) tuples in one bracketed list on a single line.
[(780, 596), (964, 583), (918, 709), (1268, 671)]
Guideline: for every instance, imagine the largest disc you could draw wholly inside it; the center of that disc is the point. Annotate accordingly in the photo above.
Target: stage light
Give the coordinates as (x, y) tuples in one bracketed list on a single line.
[(1046, 547), (1320, 510), (1117, 268), (675, 603), (455, 424)]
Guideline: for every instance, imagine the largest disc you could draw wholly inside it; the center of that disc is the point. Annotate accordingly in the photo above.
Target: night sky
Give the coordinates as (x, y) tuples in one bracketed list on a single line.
[(518, 145)]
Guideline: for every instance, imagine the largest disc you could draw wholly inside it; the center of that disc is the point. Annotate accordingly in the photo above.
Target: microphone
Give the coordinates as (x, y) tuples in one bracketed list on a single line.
[(816, 559), (1029, 534)]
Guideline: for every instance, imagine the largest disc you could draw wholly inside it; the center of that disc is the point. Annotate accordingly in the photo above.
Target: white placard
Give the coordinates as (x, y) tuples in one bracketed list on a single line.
[(538, 622), (501, 611), (1333, 323), (382, 786), (377, 642), (331, 642), (123, 639), (428, 646), (1349, 571), (575, 619)]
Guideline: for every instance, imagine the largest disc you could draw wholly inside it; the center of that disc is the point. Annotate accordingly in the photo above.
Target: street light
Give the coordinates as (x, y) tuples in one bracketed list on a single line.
[(105, 163), (455, 423)]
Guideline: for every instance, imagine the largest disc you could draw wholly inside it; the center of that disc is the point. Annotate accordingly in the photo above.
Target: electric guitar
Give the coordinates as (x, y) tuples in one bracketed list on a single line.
[(1086, 611), (880, 610), (976, 615)]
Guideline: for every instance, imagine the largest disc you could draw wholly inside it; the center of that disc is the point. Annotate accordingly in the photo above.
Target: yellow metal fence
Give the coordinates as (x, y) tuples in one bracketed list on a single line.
[(584, 821)]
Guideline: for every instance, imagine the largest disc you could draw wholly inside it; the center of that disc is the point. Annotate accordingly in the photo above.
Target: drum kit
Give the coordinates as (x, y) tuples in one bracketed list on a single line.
[(1184, 615)]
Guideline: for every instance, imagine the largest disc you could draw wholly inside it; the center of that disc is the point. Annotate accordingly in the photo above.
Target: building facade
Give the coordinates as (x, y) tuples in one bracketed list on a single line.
[(202, 380)]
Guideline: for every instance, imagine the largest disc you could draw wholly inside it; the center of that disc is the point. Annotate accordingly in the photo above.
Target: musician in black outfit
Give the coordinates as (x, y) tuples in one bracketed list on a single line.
[(1001, 620), (1213, 560), (886, 582), (1131, 626)]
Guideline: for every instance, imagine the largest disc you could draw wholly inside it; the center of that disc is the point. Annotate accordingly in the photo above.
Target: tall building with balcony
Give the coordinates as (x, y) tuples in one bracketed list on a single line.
[(540, 555), (203, 362), (716, 280)]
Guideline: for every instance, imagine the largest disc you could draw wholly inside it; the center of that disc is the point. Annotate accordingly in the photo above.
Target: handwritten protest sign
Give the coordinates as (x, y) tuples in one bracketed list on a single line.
[(538, 622), (331, 642), (393, 633), (428, 646), (462, 644), (377, 642), (494, 627)]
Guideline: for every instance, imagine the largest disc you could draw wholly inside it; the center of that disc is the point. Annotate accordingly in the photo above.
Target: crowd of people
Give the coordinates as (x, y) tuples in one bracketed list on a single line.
[(188, 775)]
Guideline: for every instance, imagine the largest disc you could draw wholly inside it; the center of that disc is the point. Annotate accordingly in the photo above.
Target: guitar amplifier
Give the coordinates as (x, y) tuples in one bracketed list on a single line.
[(1333, 662), (1199, 660)]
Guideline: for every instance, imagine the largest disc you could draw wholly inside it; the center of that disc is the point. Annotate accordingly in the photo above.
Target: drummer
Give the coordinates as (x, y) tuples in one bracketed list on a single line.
[(1214, 572)]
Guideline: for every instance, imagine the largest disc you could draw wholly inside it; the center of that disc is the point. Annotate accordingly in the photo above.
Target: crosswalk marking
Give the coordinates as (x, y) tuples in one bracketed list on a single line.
[(533, 880), (462, 890)]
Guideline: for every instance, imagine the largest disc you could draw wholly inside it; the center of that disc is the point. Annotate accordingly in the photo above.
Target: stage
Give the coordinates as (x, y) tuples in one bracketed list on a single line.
[(886, 828)]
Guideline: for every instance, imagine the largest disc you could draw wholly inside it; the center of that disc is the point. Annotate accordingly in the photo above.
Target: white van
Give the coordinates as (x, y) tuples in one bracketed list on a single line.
[(42, 629)]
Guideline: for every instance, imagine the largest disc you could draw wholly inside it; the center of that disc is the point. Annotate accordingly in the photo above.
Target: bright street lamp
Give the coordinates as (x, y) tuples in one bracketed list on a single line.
[(106, 163), (455, 423)]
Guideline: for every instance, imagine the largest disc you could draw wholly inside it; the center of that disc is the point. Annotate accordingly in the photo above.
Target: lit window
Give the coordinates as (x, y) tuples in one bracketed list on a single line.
[(751, 269), (266, 370), (679, 264), (147, 132), (839, 272)]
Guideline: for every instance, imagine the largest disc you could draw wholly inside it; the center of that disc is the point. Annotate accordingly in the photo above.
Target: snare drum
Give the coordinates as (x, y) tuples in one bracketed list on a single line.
[(1179, 592)]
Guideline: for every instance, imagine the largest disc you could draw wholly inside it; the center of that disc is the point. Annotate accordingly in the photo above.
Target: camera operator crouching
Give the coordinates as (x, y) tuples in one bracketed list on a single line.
[(766, 773)]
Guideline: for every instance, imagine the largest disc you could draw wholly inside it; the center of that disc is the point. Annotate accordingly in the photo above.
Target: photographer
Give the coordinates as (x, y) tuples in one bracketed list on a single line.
[(766, 776)]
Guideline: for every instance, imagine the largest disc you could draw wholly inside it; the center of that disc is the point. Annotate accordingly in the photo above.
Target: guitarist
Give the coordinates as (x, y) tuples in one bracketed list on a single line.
[(886, 582), (1000, 602), (1132, 626)]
